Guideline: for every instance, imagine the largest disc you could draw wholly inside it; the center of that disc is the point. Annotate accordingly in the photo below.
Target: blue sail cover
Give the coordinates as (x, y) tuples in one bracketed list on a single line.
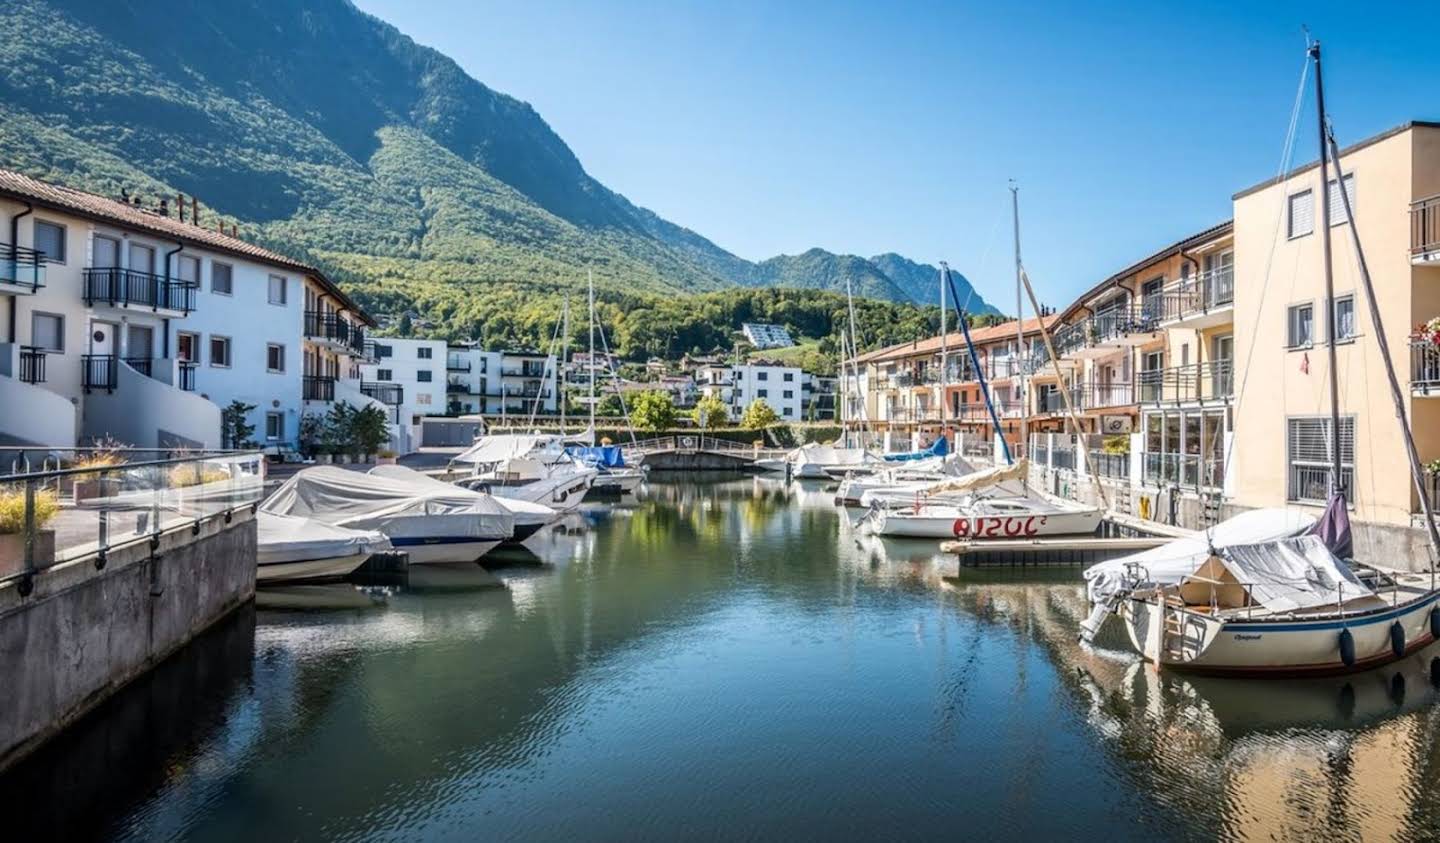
[(939, 448), (600, 456)]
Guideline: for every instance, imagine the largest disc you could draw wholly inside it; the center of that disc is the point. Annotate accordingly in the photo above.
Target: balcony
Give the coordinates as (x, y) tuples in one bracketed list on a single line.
[(1110, 330), (1204, 301), (1424, 368), (1000, 368), (143, 365), (1425, 230), (187, 371), (131, 288), (317, 388), (98, 371), (457, 365), (526, 392), (21, 270), (32, 364), (1199, 383), (392, 394), (330, 329)]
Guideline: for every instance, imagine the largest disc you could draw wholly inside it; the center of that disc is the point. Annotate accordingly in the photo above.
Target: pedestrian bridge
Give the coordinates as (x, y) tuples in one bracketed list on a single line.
[(698, 452)]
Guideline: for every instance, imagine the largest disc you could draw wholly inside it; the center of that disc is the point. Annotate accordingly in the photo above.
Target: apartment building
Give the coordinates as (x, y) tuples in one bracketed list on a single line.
[(781, 387), (817, 397), (128, 319), (764, 335), (1282, 448), (463, 379), (412, 373)]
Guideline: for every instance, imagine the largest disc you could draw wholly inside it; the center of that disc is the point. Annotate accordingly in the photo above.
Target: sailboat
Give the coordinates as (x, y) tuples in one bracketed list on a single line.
[(612, 476), (1270, 593)]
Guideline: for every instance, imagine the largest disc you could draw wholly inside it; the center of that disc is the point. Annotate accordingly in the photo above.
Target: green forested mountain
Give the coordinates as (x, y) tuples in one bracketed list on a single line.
[(327, 132)]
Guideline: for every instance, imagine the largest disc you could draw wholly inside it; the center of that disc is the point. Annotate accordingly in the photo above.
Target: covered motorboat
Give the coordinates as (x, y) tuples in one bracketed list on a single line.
[(528, 467), (819, 462), (529, 517), (901, 480), (430, 523), (613, 476), (1263, 594), (291, 549)]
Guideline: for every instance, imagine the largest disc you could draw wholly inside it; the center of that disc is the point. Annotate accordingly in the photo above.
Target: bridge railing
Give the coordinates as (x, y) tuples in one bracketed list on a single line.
[(701, 442)]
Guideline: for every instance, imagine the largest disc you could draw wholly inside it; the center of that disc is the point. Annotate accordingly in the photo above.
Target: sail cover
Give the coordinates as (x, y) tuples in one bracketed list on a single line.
[(1290, 574), (284, 538), (982, 479), (939, 448), (1173, 561), (602, 456), (374, 502)]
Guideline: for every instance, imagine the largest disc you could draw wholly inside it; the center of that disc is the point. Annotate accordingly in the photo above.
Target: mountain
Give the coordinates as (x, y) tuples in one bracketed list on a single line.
[(920, 283), (316, 125)]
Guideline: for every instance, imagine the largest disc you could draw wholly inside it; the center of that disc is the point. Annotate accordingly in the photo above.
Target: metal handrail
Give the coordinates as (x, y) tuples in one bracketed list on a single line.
[(115, 285)]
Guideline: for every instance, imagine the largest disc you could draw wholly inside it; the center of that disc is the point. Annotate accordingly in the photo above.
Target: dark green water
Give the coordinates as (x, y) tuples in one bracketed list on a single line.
[(724, 660)]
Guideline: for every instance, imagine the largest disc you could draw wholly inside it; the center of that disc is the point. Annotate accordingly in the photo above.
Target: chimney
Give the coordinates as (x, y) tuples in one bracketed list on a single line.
[(180, 206), (125, 195), (194, 210), (164, 207)]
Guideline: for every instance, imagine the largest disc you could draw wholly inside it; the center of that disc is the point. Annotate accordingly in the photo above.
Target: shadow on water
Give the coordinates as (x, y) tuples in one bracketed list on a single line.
[(80, 785)]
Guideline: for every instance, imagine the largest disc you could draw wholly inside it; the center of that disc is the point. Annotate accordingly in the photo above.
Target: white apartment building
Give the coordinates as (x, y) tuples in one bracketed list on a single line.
[(413, 373), (135, 323), (782, 387), (437, 379), (763, 335)]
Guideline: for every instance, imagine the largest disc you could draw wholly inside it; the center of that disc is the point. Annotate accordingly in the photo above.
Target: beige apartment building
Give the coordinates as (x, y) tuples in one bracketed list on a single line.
[(1282, 444)]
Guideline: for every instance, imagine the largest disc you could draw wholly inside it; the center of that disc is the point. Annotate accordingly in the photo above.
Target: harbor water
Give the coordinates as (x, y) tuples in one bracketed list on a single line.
[(723, 658)]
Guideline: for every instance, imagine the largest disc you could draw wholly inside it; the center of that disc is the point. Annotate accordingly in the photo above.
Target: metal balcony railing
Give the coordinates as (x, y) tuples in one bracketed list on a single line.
[(457, 365), (98, 371), (115, 286), (392, 394), (1210, 381), (1310, 483), (1425, 367), (317, 388), (330, 327), (1425, 226), (187, 375), (143, 365), (32, 364), (22, 267), (1188, 297)]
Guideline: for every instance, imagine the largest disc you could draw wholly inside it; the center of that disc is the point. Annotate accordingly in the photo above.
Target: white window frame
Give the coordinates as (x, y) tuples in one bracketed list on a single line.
[(1290, 324), (284, 290), (229, 351), (1337, 208), (1320, 464), (277, 416), (1340, 336)]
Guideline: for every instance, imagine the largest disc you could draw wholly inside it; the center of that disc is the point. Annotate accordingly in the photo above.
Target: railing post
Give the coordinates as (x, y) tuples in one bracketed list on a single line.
[(29, 527)]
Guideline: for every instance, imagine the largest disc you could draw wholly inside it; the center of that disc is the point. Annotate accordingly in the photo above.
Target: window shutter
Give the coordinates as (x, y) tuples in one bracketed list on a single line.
[(1337, 208), (1302, 213)]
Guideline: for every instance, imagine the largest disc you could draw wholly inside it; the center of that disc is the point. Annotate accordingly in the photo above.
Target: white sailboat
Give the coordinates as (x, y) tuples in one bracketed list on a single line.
[(1269, 593), (989, 504)]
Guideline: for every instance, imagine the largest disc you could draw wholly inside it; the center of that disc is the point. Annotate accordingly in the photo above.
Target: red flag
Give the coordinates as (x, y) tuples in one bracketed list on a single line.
[(1305, 363)]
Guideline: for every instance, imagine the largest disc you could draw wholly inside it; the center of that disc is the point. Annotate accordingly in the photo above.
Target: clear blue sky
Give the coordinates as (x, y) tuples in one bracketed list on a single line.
[(771, 127)]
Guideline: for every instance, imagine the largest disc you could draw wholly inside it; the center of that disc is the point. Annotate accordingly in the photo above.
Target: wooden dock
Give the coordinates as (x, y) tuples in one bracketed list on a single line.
[(1057, 552)]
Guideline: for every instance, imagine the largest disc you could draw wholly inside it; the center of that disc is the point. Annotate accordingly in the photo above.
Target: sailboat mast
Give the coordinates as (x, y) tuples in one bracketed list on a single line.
[(1018, 361), (944, 345), (562, 379), (590, 361), (1335, 461)]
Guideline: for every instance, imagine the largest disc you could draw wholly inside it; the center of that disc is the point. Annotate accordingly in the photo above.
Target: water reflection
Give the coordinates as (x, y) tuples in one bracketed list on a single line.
[(732, 658)]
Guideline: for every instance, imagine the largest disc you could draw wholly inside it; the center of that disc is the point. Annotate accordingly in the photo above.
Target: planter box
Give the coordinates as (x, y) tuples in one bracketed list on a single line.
[(95, 487), (385, 460), (12, 551)]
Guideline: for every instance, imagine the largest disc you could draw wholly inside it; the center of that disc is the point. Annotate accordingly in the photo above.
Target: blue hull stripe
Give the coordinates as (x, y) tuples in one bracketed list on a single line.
[(1357, 620)]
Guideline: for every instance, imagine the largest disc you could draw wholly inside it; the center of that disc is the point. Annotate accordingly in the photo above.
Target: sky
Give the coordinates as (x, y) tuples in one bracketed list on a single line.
[(861, 128)]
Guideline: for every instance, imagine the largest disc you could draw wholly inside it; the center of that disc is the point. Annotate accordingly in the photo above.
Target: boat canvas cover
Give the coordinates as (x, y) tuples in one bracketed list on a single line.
[(827, 455), (524, 512), (285, 538), (1291, 574), (939, 448), (368, 501), (1173, 561), (504, 446), (983, 479), (602, 456)]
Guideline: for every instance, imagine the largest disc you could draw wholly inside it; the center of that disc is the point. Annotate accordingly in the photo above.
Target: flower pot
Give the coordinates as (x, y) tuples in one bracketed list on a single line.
[(12, 551), (94, 487), (384, 460)]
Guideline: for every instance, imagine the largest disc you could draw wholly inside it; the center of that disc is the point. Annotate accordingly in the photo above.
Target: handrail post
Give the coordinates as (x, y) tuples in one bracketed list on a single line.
[(29, 527)]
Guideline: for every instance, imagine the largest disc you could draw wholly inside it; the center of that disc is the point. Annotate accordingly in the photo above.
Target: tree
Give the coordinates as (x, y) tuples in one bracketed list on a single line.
[(339, 437), (312, 434), (758, 415), (710, 412), (406, 327), (235, 426), (652, 410), (370, 428)]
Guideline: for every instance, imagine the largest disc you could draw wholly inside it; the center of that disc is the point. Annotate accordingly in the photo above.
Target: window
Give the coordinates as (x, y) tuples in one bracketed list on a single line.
[(274, 357), (1345, 318), (1309, 445), (50, 239), (1300, 332), (423, 376), (764, 376), (383, 350), (188, 345), (274, 426), (187, 269), (788, 412), (422, 398), (764, 393), (789, 393), (423, 353), (220, 351), (220, 279), (47, 332), (277, 289), (1302, 214), (1337, 207), (789, 376), (382, 374)]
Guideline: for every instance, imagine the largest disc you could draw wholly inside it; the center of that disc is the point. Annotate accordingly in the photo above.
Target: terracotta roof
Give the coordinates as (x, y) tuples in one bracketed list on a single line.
[(94, 206), (1190, 242), (956, 339)]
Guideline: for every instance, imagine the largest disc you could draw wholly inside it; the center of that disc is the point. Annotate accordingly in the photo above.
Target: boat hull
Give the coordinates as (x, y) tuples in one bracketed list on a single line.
[(308, 570), (1279, 648), (987, 527), (435, 550), (562, 493)]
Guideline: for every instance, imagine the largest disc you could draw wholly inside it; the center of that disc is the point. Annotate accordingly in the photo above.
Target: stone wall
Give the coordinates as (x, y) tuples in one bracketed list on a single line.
[(84, 633)]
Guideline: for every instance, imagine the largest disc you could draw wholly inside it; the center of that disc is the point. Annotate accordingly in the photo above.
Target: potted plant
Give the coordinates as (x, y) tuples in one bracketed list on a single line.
[(95, 484), (12, 529), (322, 454), (385, 456)]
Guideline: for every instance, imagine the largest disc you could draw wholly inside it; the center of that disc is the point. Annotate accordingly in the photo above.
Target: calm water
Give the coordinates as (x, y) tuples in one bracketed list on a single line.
[(724, 660)]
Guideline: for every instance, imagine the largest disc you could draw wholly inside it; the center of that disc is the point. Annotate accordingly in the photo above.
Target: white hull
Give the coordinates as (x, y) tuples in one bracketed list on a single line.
[(1280, 647), (308, 570), (947, 523), (561, 493), (439, 550), (624, 483)]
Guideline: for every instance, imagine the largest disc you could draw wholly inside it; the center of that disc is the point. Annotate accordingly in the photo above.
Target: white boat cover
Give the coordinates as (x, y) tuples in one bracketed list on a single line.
[(505, 446), (983, 479), (1290, 574), (525, 512), (832, 457), (285, 538), (368, 501), (1173, 561)]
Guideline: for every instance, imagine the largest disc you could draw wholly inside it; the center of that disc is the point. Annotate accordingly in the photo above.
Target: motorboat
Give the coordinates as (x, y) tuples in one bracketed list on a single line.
[(431, 523), (291, 549), (901, 480), (823, 462), (1263, 594), (614, 477), (529, 517), (528, 467)]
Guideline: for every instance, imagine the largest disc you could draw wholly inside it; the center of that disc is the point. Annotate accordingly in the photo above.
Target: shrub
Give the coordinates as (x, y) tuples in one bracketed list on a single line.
[(759, 415), (710, 412), (653, 410), (12, 510)]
